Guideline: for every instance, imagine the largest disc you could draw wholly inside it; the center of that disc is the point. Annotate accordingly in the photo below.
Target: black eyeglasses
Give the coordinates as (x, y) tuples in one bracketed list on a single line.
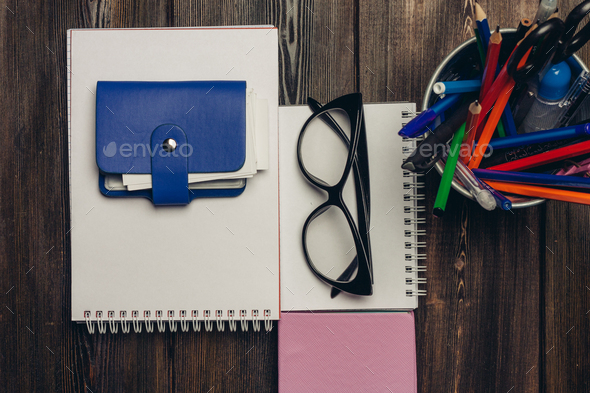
[(330, 155)]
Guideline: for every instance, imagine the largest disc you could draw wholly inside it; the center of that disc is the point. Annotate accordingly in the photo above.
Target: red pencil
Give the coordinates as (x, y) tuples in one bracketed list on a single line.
[(563, 153), (489, 73)]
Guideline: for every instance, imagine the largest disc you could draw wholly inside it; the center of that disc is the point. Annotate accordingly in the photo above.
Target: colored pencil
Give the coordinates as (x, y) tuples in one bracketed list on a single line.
[(470, 131), (542, 192), (501, 80), (483, 28), (488, 131), (482, 55), (489, 73), (481, 21), (506, 126), (548, 157)]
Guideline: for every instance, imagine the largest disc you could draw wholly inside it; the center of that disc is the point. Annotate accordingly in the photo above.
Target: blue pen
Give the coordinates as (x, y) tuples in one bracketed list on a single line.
[(503, 202), (419, 124), (541, 179), (540, 136), (455, 87)]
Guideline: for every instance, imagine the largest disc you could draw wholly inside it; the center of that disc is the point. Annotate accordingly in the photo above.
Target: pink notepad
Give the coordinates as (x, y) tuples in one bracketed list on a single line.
[(347, 352)]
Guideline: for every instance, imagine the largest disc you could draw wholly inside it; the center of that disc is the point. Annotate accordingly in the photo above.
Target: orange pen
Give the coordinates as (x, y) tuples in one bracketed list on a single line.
[(541, 192)]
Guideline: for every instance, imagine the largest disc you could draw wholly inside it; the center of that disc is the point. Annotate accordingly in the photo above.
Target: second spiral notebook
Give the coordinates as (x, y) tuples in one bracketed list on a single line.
[(395, 207)]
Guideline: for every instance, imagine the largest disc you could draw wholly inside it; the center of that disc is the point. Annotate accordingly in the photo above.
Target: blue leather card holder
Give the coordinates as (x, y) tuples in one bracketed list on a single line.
[(168, 130)]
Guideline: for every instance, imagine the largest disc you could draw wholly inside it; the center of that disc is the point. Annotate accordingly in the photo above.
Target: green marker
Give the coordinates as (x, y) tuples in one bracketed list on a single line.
[(447, 178)]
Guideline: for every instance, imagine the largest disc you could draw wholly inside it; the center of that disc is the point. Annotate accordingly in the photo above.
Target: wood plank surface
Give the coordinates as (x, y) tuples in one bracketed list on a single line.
[(317, 50), (508, 305), (566, 344), (33, 215)]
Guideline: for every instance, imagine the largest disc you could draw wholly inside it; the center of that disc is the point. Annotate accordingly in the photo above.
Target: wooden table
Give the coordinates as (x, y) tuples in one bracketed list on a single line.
[(508, 305)]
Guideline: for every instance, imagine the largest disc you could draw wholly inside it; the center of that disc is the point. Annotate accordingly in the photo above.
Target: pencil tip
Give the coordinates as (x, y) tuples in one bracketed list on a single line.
[(498, 29)]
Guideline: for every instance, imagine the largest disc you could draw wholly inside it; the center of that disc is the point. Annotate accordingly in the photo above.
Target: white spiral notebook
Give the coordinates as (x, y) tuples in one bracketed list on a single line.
[(396, 214), (211, 263)]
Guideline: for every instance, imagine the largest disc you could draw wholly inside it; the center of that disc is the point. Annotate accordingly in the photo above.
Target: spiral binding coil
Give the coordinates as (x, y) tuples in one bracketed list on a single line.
[(412, 195), (210, 320)]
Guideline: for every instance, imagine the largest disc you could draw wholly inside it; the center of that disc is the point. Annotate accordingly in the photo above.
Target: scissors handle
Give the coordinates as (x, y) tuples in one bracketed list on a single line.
[(571, 42), (547, 34)]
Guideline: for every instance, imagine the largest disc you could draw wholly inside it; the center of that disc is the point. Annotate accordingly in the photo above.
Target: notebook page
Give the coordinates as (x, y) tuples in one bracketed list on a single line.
[(300, 288)]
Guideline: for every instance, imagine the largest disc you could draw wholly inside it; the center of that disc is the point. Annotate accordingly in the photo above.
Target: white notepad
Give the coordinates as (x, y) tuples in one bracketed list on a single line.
[(394, 205), (215, 256)]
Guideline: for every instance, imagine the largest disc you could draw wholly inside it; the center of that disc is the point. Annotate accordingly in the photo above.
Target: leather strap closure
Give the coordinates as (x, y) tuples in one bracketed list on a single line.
[(169, 165)]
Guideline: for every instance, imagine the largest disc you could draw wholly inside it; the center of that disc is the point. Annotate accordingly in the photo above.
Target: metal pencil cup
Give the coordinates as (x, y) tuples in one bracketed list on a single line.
[(466, 51)]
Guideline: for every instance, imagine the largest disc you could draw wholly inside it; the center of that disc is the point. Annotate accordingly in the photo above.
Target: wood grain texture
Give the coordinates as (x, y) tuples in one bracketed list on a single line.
[(317, 50), (401, 44), (33, 230), (478, 328), (504, 312), (566, 273)]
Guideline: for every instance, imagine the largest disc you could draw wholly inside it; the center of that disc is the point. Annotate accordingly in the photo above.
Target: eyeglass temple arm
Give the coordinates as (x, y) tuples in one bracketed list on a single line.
[(345, 276)]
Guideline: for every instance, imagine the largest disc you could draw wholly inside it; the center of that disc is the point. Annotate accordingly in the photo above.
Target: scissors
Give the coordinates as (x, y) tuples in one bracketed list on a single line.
[(567, 44), (570, 42)]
